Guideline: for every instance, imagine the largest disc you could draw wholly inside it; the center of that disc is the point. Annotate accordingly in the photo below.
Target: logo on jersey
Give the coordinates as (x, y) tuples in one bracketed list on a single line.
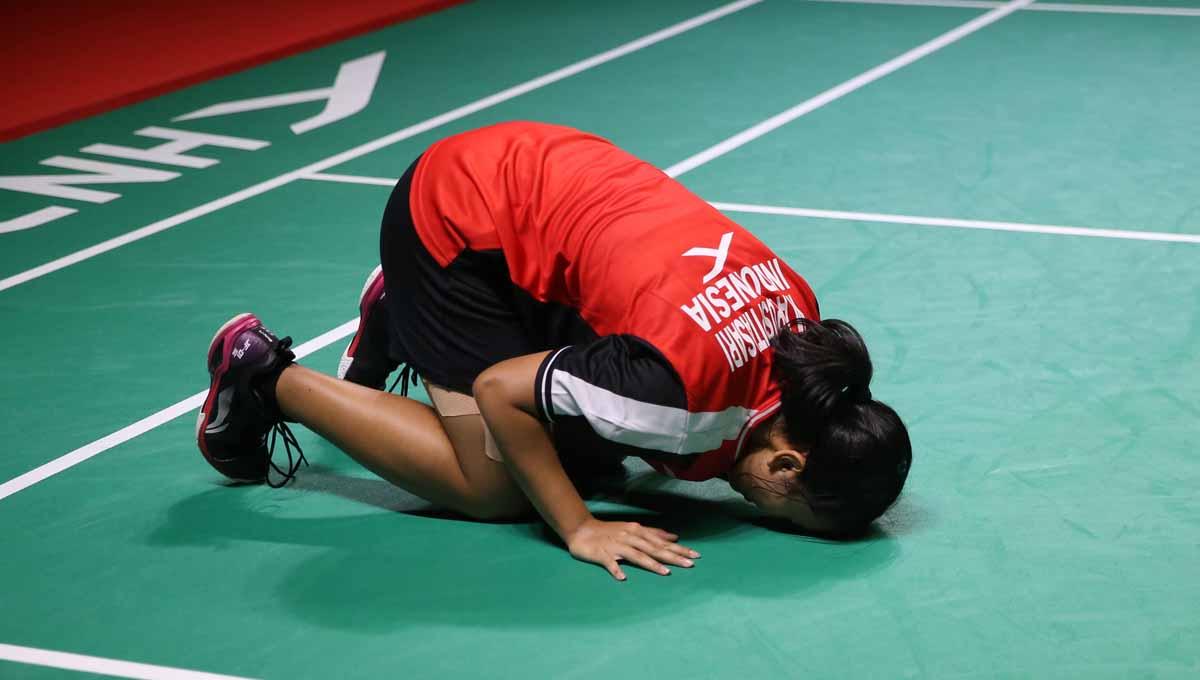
[(719, 255)]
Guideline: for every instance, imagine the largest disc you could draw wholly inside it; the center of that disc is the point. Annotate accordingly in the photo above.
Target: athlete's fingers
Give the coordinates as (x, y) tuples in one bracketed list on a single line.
[(664, 535), (614, 569), (660, 551), (682, 550), (634, 556), (670, 539)]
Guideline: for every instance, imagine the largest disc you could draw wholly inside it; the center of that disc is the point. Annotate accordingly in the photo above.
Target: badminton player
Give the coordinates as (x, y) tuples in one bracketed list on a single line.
[(568, 305)]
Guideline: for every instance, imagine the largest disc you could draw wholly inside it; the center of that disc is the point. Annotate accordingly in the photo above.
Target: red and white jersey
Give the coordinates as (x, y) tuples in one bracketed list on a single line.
[(684, 300)]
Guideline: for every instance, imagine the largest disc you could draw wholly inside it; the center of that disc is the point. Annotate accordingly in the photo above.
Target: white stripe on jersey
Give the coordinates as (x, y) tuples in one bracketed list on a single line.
[(542, 388), (642, 424)]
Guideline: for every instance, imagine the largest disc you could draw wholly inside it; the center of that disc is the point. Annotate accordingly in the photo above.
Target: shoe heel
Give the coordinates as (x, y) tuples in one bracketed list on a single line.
[(226, 328)]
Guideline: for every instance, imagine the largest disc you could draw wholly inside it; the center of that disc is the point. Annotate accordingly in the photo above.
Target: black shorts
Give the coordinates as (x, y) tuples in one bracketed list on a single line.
[(451, 323)]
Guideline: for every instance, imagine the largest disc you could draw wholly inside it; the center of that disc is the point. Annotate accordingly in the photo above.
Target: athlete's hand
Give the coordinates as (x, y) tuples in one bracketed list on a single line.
[(606, 543)]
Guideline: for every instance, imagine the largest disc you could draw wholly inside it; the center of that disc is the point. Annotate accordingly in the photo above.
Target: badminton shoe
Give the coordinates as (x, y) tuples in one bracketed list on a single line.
[(366, 361), (240, 420)]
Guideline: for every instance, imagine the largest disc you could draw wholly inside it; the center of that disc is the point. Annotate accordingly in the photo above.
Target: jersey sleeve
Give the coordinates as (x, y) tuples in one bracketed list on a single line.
[(617, 396)]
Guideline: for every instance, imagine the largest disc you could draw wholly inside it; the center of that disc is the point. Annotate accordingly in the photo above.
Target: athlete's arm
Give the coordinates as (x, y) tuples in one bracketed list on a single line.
[(505, 394)]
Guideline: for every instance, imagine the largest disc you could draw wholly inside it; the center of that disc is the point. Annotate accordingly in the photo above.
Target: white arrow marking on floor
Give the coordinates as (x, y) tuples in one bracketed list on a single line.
[(350, 93)]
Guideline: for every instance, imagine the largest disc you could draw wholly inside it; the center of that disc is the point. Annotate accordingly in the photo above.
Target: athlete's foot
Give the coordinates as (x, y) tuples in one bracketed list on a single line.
[(244, 360), (366, 361)]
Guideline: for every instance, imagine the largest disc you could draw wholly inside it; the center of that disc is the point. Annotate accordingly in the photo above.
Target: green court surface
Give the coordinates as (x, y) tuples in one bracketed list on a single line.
[(1042, 340)]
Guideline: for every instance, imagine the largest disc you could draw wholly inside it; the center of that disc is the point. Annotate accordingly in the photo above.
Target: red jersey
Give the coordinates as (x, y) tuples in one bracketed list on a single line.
[(585, 224)]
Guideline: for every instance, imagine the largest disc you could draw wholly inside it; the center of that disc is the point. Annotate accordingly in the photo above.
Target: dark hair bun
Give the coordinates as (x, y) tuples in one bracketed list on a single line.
[(821, 368), (858, 448)]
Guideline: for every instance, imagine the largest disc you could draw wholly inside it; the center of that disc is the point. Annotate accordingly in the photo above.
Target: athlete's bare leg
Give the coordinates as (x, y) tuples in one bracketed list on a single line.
[(405, 442)]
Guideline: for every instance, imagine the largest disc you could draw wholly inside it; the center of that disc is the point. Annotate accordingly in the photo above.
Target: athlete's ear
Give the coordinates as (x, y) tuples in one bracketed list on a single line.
[(787, 464)]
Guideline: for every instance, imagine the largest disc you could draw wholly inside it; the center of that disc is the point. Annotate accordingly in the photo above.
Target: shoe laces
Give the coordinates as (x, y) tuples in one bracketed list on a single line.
[(407, 375), (281, 432)]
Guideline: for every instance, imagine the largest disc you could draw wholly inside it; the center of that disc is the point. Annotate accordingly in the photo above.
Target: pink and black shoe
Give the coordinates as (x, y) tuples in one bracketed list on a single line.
[(244, 361), (366, 360)]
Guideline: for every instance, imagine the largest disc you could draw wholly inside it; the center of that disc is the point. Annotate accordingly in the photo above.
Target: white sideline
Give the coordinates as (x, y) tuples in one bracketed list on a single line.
[(957, 4), (151, 421), (1037, 6), (1117, 9), (351, 179), (958, 223), (838, 91), (377, 144), (102, 666)]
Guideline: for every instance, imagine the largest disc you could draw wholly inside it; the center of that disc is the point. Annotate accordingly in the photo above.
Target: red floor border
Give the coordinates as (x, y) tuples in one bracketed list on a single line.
[(82, 97)]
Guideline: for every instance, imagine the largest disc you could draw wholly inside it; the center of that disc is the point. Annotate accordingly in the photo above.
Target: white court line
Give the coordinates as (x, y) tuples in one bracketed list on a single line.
[(351, 179), (1022, 227), (1037, 6), (838, 91), (377, 144), (959, 224), (1117, 9), (960, 4), (152, 421), (102, 666)]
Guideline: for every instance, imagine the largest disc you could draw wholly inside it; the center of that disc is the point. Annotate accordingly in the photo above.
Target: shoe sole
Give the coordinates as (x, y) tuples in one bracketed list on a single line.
[(228, 330), (363, 312)]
